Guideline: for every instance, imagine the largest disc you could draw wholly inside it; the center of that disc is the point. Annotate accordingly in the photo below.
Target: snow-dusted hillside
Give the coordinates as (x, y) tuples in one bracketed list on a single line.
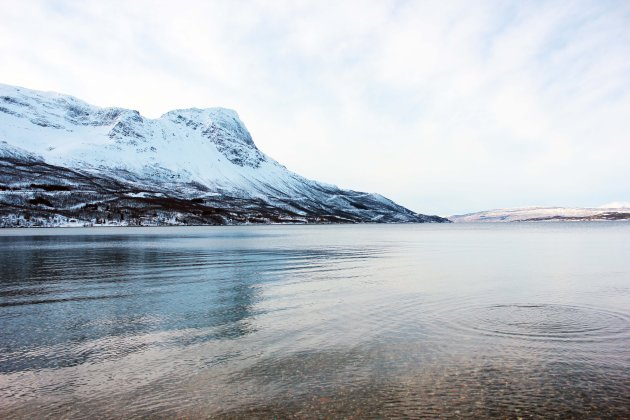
[(61, 157), (545, 214)]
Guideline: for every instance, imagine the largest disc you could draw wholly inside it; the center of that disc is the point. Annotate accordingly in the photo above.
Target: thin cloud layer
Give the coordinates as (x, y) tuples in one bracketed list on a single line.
[(445, 107)]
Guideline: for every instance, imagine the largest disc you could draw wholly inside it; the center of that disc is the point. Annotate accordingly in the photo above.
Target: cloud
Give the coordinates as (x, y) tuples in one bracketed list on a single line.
[(446, 107)]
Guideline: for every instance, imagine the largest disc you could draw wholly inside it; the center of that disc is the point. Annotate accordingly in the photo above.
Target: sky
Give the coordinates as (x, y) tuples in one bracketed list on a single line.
[(446, 107)]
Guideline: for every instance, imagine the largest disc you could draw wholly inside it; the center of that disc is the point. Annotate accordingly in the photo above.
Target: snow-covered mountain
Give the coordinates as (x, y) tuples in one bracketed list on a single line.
[(545, 214), (63, 161)]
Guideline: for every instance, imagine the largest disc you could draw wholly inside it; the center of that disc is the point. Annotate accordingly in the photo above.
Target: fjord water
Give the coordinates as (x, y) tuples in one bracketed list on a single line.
[(505, 320)]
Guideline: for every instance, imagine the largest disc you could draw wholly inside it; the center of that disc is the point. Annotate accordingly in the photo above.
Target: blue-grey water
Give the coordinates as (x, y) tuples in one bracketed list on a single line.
[(479, 320)]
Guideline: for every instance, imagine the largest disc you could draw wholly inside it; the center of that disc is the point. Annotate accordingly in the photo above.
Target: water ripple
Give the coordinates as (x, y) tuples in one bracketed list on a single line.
[(541, 321)]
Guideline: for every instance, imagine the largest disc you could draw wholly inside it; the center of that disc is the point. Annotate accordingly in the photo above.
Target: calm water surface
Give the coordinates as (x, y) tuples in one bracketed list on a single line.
[(505, 320)]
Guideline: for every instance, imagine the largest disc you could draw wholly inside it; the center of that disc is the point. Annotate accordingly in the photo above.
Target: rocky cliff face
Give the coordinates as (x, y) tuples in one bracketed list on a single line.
[(65, 162)]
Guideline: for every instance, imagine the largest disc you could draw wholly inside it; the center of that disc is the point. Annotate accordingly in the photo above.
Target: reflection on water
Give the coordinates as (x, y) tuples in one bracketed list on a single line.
[(316, 321)]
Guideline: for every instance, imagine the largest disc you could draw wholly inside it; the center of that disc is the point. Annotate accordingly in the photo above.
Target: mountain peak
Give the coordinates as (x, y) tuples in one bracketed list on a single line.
[(93, 135), (224, 119)]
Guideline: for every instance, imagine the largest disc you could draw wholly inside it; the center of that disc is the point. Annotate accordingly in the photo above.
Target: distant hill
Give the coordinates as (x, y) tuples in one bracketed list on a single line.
[(545, 214)]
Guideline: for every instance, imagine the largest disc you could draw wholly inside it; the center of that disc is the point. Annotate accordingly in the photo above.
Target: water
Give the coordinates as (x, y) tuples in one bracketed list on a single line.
[(489, 320)]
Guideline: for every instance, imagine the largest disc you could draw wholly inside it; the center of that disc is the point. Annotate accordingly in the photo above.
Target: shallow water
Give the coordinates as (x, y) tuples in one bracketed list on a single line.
[(492, 320)]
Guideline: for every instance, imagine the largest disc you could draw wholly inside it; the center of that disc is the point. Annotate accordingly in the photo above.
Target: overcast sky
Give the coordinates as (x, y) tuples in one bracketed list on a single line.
[(444, 106)]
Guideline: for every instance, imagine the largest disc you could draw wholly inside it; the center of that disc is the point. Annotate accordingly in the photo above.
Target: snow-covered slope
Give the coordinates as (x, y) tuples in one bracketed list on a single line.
[(205, 155), (545, 214)]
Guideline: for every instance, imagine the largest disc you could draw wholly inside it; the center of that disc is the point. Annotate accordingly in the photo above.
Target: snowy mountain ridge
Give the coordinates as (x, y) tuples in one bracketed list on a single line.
[(117, 164), (67, 131)]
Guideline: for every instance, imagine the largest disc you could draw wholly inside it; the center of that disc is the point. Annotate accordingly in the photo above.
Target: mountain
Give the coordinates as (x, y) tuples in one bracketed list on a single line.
[(545, 214), (65, 162)]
